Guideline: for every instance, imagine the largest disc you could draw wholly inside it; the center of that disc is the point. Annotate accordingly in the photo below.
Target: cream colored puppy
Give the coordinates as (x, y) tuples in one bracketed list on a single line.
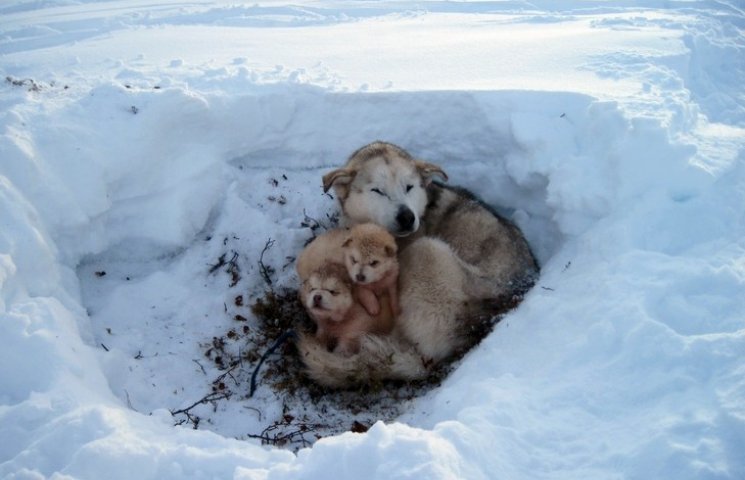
[(328, 295)]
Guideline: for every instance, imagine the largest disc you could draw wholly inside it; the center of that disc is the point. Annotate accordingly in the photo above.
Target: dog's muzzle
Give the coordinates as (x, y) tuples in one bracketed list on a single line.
[(317, 301), (405, 220)]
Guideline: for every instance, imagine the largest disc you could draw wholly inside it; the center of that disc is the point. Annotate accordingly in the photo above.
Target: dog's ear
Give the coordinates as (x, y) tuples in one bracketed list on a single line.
[(341, 178), (347, 242), (390, 251), (429, 170)]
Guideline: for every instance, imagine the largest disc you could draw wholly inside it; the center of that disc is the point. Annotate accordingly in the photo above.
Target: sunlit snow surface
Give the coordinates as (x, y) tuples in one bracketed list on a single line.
[(142, 140)]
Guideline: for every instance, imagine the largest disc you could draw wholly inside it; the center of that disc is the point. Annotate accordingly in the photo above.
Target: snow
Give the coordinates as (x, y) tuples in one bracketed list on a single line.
[(142, 140)]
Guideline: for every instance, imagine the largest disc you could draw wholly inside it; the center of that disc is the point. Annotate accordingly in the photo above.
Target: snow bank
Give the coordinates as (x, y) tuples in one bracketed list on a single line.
[(118, 192)]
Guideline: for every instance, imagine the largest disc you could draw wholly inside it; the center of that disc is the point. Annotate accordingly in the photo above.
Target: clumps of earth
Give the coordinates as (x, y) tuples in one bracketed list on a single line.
[(30, 84)]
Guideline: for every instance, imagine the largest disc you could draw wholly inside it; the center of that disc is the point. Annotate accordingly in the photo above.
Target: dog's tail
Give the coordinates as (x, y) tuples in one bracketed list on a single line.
[(480, 285), (379, 358)]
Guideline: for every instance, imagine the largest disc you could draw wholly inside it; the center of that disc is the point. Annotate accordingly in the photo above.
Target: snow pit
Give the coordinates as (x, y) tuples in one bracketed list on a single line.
[(199, 205), (151, 245), (183, 253)]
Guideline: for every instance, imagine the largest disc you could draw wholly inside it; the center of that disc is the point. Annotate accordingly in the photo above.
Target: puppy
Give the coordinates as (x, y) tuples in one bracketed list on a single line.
[(370, 257), (329, 296)]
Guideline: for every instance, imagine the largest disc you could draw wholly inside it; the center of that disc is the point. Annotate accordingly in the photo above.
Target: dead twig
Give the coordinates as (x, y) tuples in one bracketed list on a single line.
[(234, 270), (193, 419), (228, 373), (266, 271), (288, 432), (201, 367), (231, 269), (220, 263), (258, 412)]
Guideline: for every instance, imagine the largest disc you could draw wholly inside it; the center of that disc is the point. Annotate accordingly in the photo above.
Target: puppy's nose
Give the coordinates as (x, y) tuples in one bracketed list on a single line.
[(405, 218), (317, 300), (360, 277)]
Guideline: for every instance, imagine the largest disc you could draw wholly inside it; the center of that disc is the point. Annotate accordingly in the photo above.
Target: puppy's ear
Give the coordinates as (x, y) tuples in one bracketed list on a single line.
[(339, 178), (429, 170), (390, 251), (347, 242)]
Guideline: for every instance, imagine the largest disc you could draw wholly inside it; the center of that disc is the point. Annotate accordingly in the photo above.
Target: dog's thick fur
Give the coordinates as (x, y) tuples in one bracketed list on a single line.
[(456, 255)]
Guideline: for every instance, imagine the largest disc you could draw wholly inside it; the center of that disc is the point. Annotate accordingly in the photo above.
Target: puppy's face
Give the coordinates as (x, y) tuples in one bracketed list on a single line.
[(369, 253), (327, 293), (369, 267), (384, 185)]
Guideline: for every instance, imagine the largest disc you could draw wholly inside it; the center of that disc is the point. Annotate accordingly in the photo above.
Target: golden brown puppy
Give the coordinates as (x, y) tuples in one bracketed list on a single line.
[(370, 257)]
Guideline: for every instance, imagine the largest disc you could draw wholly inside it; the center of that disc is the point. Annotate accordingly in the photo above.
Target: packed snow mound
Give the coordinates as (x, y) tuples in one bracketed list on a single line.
[(124, 180)]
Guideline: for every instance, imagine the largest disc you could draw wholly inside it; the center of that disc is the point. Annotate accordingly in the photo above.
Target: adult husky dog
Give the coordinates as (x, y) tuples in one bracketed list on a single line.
[(457, 256)]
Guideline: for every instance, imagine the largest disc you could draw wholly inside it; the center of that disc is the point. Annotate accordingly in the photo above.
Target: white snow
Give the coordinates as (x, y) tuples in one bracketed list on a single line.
[(142, 140)]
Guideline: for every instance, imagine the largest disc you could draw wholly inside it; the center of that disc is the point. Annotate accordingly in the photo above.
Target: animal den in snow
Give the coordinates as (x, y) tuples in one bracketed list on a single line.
[(211, 199)]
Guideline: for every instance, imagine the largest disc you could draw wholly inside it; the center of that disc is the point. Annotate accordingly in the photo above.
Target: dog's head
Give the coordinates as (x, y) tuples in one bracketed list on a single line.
[(327, 293), (383, 184), (369, 253)]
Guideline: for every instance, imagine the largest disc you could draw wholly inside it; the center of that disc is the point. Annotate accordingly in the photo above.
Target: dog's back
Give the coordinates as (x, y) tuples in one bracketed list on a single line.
[(496, 256), (324, 249)]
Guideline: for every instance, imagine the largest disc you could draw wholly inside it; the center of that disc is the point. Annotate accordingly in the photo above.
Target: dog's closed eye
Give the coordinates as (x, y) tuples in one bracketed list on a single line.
[(408, 188), (378, 191)]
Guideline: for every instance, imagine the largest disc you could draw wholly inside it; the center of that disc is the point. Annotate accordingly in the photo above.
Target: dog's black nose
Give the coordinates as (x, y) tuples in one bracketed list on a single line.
[(405, 219), (360, 277), (317, 300)]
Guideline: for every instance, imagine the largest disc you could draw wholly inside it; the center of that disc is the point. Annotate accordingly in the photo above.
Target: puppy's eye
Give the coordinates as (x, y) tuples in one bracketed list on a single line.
[(354, 260), (408, 188), (378, 191), (333, 293), (374, 263)]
